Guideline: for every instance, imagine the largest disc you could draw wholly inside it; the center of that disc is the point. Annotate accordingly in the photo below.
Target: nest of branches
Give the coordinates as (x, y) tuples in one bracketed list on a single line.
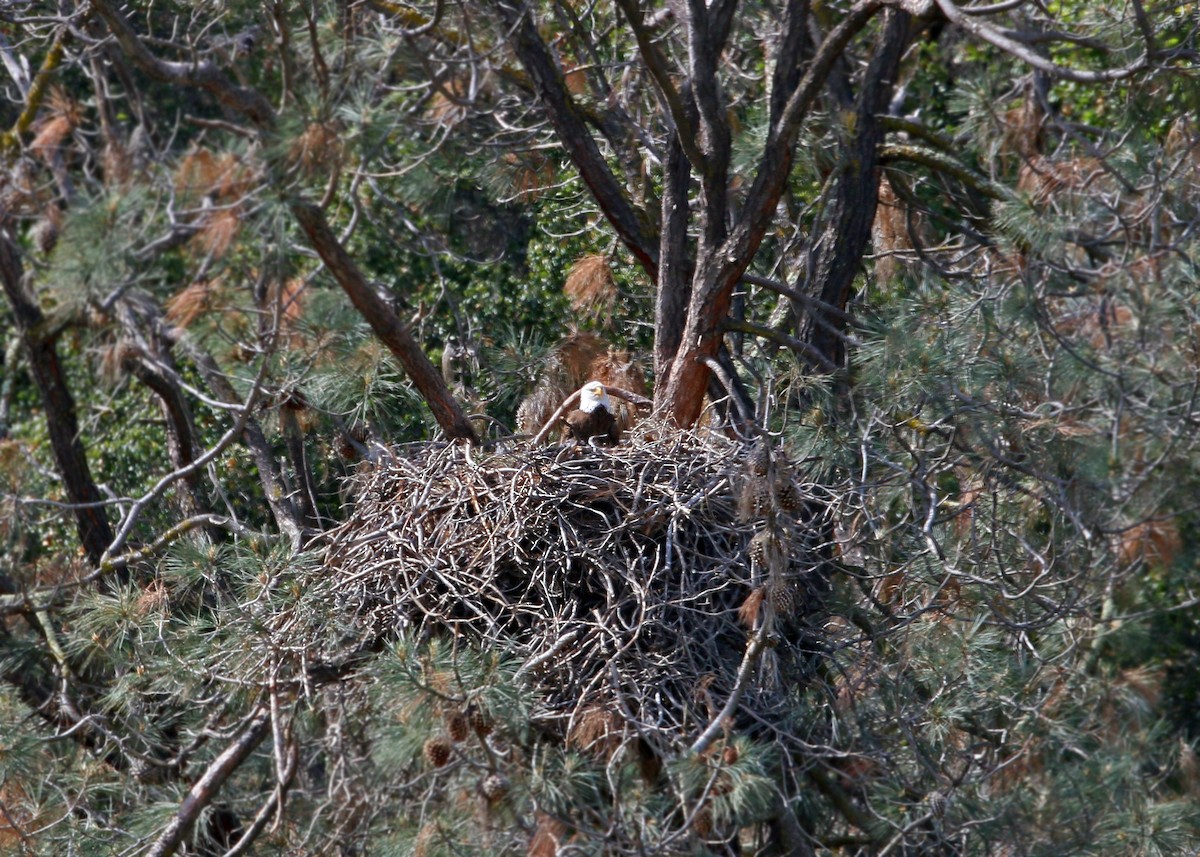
[(642, 586)]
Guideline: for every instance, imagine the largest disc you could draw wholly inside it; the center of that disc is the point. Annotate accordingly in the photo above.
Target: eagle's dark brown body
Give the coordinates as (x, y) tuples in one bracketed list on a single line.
[(599, 424), (594, 420)]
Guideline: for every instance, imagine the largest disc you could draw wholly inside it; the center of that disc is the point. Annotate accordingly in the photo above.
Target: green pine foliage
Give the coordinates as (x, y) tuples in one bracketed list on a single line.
[(1000, 655)]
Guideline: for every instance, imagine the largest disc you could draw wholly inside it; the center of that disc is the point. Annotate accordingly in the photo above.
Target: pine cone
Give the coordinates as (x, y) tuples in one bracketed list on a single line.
[(458, 726), (730, 754), (494, 787), (758, 547), (480, 721), (437, 752), (755, 499), (783, 599), (938, 803), (759, 460), (788, 496)]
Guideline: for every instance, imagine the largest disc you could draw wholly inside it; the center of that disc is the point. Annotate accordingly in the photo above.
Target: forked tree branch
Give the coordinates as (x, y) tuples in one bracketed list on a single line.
[(775, 162), (203, 74), (656, 65)]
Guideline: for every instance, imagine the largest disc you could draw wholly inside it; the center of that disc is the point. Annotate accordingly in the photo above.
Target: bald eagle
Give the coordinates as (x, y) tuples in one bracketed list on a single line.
[(594, 418)]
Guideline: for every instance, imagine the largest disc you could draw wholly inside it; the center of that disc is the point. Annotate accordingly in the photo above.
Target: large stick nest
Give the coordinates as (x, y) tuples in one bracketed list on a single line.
[(628, 579)]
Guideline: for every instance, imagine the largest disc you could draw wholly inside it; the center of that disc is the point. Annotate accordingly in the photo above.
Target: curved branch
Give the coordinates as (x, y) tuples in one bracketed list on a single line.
[(62, 422), (782, 339), (946, 164), (716, 727), (1011, 46), (776, 159)]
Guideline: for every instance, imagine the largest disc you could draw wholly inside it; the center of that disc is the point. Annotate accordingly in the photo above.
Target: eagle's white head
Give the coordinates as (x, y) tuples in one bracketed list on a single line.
[(592, 396)]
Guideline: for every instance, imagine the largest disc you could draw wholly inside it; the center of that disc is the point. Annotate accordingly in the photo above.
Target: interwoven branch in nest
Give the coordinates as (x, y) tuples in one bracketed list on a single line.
[(617, 574)]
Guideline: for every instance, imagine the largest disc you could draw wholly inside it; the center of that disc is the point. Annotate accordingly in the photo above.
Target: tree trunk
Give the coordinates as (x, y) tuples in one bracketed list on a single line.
[(712, 292), (719, 271), (95, 534), (844, 240), (674, 270)]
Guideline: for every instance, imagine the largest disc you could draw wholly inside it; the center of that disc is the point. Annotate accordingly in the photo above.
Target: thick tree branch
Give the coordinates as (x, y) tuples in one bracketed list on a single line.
[(675, 267), (789, 53), (384, 321), (656, 64), (198, 73), (574, 136), (717, 273), (844, 240), (205, 789), (703, 59), (776, 161), (62, 424)]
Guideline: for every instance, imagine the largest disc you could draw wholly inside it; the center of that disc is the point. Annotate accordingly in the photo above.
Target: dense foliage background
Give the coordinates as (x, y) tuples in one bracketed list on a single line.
[(941, 257)]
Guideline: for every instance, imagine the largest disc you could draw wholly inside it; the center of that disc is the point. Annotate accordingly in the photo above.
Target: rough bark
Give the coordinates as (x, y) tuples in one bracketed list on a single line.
[(675, 270), (844, 240), (699, 145)]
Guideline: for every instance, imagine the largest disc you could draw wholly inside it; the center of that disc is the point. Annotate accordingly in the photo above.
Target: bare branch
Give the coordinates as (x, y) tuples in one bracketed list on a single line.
[(994, 37), (204, 791), (204, 74)]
